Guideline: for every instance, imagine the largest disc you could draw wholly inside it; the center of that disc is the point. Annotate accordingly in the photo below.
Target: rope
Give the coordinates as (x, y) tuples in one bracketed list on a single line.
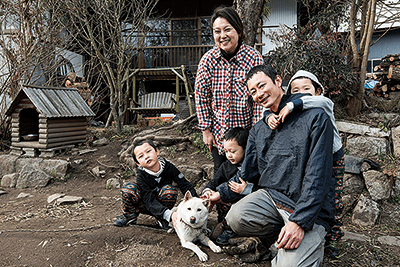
[(75, 229)]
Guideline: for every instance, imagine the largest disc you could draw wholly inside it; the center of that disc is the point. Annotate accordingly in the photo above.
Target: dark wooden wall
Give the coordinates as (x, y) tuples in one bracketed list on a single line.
[(188, 8), (55, 132)]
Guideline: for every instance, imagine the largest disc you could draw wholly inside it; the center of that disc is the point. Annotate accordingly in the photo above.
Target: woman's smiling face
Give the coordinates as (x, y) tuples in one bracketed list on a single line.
[(225, 35)]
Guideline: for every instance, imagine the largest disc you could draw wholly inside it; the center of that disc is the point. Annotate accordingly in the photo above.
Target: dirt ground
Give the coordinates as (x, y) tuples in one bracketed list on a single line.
[(35, 233)]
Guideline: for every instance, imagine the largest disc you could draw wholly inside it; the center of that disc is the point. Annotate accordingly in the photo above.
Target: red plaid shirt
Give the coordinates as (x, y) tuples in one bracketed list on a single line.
[(221, 93)]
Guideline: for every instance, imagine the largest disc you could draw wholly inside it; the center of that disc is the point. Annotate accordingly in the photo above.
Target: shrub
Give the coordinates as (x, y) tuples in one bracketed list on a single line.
[(306, 48)]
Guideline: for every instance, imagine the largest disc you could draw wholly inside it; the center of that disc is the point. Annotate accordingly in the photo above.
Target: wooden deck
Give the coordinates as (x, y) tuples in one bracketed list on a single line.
[(171, 56)]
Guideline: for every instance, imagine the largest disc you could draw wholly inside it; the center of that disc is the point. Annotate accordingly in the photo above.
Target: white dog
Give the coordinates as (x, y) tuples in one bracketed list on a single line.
[(191, 224)]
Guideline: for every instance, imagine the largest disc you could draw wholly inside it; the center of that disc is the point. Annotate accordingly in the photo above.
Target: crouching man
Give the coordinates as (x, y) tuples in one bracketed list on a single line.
[(294, 203)]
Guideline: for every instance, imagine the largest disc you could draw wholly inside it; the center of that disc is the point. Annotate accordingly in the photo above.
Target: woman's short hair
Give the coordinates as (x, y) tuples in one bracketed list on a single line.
[(230, 14)]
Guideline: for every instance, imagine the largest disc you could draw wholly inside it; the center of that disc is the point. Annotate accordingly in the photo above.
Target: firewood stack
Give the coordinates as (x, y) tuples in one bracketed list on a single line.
[(388, 75)]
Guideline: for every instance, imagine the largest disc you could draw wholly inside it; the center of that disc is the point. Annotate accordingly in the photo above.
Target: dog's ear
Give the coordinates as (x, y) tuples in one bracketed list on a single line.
[(207, 203), (188, 195)]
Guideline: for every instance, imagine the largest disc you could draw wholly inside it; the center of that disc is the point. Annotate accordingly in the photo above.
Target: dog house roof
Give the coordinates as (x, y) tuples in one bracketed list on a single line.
[(54, 102)]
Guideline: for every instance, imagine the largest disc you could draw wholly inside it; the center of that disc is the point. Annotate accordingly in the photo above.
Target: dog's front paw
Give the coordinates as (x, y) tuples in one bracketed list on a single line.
[(215, 248), (202, 256)]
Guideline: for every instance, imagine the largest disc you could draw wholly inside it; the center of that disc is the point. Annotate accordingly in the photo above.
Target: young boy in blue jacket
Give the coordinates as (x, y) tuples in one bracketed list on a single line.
[(305, 82), (153, 192), (234, 143)]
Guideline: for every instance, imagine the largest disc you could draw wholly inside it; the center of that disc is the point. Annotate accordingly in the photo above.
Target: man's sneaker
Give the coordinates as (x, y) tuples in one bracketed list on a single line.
[(164, 225), (332, 249), (223, 239), (123, 221)]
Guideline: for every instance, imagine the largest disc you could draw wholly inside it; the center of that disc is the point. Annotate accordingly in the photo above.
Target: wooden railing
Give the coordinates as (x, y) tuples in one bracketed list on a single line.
[(172, 56)]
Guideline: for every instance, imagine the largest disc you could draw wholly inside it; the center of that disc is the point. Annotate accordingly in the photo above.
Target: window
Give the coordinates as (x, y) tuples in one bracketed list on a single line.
[(371, 64), (180, 32)]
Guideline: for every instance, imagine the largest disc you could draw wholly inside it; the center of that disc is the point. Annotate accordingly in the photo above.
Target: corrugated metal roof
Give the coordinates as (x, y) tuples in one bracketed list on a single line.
[(57, 102)]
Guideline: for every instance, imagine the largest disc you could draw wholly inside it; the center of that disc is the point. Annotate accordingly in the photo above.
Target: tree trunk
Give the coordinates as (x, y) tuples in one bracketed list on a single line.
[(250, 12), (361, 56)]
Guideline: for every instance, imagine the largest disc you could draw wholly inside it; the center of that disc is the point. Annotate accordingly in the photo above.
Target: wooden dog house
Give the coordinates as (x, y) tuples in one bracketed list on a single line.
[(45, 119)]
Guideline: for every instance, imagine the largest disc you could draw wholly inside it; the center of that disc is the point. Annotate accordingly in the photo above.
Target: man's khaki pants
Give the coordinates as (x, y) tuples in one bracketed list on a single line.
[(256, 215)]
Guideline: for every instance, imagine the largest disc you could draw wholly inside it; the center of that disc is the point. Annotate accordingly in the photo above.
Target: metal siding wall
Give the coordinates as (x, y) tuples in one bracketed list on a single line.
[(389, 44), (76, 60), (283, 12)]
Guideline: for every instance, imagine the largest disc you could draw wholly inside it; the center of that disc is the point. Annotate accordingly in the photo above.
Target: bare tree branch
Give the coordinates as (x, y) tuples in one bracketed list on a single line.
[(109, 32)]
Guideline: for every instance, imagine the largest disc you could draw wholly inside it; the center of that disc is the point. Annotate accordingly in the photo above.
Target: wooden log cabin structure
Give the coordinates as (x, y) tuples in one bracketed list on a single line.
[(45, 119)]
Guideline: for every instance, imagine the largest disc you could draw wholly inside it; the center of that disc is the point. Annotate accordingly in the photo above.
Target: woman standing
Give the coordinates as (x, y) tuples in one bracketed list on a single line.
[(222, 99)]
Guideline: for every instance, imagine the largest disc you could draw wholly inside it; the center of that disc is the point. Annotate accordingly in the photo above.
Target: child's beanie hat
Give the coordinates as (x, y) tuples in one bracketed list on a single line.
[(304, 74)]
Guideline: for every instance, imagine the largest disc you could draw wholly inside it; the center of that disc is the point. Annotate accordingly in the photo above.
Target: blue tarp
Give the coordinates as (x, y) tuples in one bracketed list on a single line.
[(370, 84)]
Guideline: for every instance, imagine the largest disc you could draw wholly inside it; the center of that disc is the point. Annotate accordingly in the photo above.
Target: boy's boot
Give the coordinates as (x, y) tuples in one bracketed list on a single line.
[(164, 224), (123, 221), (228, 233), (332, 249), (247, 249), (218, 230)]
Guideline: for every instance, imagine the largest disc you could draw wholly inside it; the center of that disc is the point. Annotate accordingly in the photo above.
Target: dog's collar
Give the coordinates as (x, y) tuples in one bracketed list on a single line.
[(192, 226)]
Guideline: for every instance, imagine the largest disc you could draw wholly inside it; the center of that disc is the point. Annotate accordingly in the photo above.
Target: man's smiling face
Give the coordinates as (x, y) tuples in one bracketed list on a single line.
[(264, 91)]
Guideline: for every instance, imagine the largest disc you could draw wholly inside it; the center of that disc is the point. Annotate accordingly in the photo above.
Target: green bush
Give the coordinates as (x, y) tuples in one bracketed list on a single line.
[(307, 49)]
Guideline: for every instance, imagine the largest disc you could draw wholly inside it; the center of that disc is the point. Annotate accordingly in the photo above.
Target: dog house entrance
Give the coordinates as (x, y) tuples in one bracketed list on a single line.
[(29, 125)]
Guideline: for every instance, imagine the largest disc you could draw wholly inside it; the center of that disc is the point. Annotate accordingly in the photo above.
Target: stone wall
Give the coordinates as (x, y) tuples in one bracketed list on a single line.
[(30, 172), (365, 186)]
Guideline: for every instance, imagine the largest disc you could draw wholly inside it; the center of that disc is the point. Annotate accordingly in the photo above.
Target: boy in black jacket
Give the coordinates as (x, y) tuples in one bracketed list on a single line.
[(153, 192), (235, 141)]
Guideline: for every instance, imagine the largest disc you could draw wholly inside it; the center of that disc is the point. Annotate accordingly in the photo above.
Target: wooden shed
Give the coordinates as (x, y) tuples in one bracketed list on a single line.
[(46, 119)]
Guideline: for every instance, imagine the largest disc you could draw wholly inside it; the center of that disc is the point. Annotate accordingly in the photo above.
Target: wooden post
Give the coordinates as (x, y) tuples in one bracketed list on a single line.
[(186, 81), (177, 93), (127, 102), (134, 88)]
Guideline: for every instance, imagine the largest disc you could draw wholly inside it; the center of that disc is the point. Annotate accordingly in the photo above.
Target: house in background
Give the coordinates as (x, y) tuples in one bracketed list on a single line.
[(183, 37), (181, 34), (67, 61), (282, 12), (385, 40)]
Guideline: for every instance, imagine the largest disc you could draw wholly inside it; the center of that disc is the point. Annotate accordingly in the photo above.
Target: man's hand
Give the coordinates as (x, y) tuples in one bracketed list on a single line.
[(290, 236), (273, 121), (208, 139), (237, 187), (283, 113)]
